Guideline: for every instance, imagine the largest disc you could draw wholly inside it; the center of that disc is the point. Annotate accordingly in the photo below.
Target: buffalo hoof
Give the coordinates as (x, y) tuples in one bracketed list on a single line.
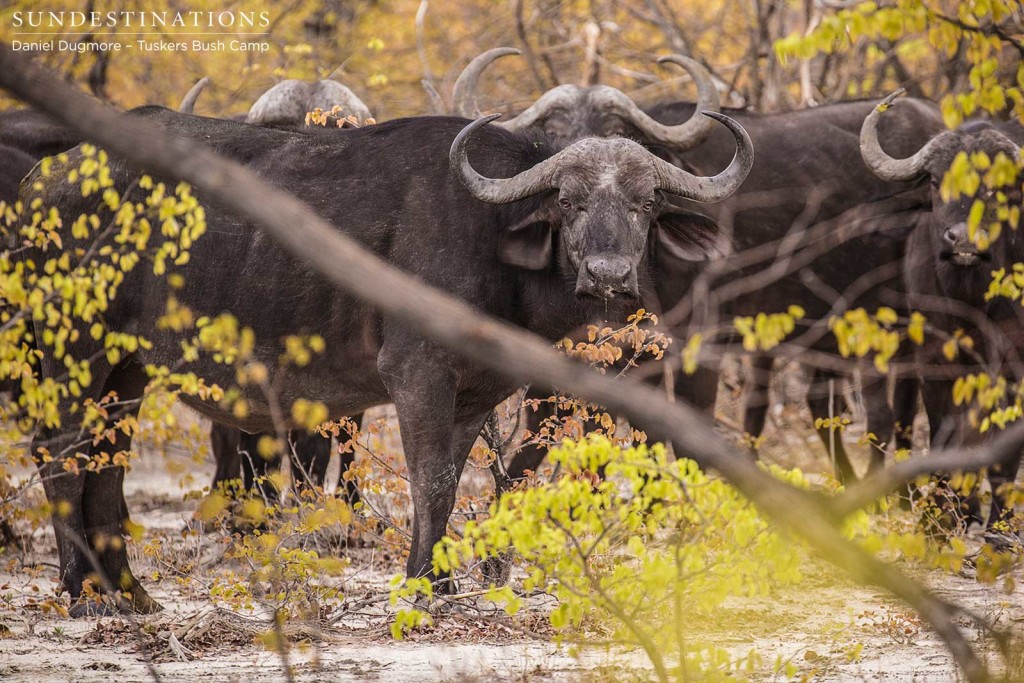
[(1003, 541), (86, 608), (497, 569), (138, 602), (141, 603)]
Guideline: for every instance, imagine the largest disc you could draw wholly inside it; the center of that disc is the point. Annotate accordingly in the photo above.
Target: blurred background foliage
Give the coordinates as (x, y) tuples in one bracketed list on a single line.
[(768, 55)]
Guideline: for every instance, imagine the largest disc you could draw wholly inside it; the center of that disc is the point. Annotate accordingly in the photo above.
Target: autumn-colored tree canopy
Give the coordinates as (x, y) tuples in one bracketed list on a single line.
[(767, 55)]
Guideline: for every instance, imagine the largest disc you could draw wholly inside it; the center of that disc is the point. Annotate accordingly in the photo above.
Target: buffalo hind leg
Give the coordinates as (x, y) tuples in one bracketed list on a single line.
[(825, 399), (256, 469), (755, 403), (348, 488), (224, 442), (309, 454), (698, 389), (875, 390), (530, 455)]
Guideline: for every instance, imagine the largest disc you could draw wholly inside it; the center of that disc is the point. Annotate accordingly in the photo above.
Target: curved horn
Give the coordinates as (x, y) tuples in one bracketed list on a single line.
[(876, 159), (464, 98), (560, 97), (675, 180), (683, 136), (498, 190), (436, 102), (188, 102), (696, 129)]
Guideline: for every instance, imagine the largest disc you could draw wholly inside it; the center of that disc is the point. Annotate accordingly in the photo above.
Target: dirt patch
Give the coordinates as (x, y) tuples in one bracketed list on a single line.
[(828, 628)]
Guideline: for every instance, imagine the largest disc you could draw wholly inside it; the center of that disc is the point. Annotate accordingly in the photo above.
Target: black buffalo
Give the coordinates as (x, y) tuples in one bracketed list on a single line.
[(948, 276), (808, 173), (540, 237), (285, 105)]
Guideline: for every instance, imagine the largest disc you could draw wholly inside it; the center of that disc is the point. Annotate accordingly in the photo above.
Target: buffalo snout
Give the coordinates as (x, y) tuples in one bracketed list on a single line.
[(606, 276), (958, 248)]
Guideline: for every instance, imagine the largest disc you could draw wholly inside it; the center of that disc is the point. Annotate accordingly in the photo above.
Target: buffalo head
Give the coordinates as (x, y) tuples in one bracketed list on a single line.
[(955, 252), (605, 203), (570, 112)]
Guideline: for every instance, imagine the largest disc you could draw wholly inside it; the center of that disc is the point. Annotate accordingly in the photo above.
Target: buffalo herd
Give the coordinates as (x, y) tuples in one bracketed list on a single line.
[(579, 209)]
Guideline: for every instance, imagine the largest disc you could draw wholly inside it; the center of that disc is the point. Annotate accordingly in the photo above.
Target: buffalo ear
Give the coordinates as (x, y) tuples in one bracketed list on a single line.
[(529, 243), (689, 236)]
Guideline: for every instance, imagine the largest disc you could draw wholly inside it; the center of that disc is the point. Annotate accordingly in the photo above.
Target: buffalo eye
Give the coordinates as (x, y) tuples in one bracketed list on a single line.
[(565, 204), (935, 182), (648, 205)]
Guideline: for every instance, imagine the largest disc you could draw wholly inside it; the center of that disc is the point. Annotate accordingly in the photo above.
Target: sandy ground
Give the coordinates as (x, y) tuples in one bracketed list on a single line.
[(814, 626)]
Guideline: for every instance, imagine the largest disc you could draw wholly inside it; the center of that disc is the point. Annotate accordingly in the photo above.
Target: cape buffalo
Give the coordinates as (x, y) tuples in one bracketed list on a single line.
[(541, 237), (948, 275), (808, 173), (833, 236), (234, 452), (28, 135)]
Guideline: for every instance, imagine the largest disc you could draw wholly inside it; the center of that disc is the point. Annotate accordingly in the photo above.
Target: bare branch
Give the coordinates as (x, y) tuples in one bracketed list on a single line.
[(1003, 448)]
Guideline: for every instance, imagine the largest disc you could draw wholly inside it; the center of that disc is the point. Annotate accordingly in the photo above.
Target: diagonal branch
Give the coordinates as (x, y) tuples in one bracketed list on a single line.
[(1005, 446), (487, 341)]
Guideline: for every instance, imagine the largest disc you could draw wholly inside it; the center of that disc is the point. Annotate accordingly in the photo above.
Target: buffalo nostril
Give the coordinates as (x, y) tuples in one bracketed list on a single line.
[(608, 272), (950, 236)]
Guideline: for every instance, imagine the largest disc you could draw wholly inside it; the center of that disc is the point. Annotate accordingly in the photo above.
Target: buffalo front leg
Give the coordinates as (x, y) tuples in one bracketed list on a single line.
[(947, 426), (437, 434), (88, 507), (1002, 477), (434, 475), (105, 526), (64, 492), (530, 454), (905, 393), (904, 405)]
